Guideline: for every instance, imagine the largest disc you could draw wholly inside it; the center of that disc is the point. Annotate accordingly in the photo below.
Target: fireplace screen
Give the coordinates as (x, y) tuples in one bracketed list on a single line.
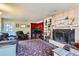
[(64, 35)]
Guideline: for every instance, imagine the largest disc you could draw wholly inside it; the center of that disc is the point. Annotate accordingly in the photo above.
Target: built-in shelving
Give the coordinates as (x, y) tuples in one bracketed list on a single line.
[(47, 28)]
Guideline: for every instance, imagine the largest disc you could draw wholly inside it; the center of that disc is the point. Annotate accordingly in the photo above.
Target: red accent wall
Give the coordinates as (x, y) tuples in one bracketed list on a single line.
[(37, 25)]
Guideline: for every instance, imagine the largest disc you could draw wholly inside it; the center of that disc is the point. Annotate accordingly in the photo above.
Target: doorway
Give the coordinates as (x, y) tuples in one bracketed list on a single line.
[(37, 30)]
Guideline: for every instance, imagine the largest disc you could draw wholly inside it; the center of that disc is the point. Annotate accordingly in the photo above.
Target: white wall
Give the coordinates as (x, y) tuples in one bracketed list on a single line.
[(77, 29), (14, 22)]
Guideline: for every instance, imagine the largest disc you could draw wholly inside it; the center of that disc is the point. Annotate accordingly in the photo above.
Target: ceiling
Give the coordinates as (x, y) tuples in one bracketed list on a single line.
[(32, 11)]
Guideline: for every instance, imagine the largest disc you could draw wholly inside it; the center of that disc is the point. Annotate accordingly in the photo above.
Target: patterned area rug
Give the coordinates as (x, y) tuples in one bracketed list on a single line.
[(35, 47)]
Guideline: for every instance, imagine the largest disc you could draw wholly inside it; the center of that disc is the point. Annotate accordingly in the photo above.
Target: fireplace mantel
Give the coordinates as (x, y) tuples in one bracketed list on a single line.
[(64, 26)]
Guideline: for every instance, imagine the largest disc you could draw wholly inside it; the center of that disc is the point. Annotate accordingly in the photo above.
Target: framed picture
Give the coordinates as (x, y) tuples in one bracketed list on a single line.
[(17, 25)]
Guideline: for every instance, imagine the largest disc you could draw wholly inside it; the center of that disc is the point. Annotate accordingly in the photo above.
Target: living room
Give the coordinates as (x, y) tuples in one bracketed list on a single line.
[(44, 32)]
